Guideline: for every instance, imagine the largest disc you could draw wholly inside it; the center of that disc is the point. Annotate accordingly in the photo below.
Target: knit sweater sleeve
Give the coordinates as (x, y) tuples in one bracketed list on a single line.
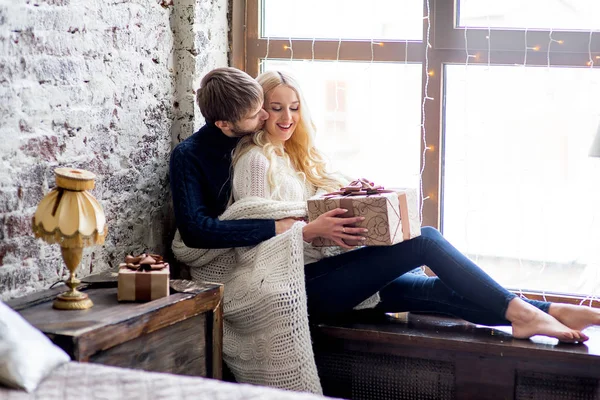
[(250, 176), (196, 224)]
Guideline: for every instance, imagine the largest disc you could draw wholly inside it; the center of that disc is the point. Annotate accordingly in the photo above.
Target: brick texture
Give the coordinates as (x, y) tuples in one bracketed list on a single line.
[(92, 84)]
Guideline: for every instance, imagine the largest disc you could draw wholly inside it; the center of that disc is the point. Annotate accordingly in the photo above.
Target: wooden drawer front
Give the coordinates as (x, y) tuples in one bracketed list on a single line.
[(179, 349)]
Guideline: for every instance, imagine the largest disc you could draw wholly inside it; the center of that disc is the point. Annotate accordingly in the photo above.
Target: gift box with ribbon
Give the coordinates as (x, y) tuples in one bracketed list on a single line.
[(143, 278), (391, 216)]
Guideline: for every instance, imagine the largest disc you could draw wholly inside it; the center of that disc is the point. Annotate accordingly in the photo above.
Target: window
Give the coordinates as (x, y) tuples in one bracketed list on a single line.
[(532, 14), (490, 105), (356, 107), (518, 192), (346, 19)]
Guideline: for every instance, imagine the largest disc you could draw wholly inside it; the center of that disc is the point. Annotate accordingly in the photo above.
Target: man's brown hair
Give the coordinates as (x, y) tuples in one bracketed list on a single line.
[(227, 94)]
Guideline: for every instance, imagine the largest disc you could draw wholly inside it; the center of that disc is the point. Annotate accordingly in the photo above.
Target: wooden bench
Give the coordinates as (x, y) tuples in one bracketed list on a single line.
[(418, 356)]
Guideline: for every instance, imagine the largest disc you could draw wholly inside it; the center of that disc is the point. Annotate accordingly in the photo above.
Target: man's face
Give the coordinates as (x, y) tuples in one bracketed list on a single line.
[(252, 122)]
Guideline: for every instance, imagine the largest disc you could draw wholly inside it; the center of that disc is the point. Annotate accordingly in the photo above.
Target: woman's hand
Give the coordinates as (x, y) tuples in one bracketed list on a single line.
[(330, 226)]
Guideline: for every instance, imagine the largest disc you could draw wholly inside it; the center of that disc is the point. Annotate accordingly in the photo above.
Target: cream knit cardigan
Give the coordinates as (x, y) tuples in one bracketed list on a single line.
[(266, 337)]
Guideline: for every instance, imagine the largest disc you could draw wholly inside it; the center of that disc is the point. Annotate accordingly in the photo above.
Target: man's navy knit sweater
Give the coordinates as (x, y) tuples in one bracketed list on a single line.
[(200, 169)]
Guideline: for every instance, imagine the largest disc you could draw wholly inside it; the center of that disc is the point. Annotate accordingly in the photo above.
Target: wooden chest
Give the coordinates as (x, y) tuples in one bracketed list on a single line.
[(180, 334)]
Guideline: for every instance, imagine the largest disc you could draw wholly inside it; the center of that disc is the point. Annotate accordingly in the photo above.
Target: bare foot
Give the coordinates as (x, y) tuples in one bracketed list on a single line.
[(528, 321), (575, 317)]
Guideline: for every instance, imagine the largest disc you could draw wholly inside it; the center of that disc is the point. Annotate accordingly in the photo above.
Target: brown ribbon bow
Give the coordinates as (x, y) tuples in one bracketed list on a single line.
[(144, 262), (360, 187)]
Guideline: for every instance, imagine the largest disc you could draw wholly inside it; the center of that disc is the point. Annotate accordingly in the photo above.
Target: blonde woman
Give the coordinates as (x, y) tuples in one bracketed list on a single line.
[(259, 246), (281, 162)]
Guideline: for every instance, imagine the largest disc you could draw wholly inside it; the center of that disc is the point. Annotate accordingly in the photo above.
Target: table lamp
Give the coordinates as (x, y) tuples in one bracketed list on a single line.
[(595, 149), (70, 216)]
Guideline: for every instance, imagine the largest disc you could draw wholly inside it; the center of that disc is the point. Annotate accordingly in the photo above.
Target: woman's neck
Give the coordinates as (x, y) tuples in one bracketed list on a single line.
[(278, 146)]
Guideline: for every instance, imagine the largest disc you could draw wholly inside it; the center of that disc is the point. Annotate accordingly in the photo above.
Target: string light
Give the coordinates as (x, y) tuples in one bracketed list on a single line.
[(526, 48), (474, 56), (520, 176), (550, 93), (426, 97), (337, 101), (264, 60), (489, 41), (468, 57), (590, 63), (368, 70), (591, 296), (291, 49), (549, 46), (405, 54)]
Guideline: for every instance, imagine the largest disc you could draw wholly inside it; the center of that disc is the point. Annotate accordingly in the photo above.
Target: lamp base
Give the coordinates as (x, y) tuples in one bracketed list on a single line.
[(72, 301)]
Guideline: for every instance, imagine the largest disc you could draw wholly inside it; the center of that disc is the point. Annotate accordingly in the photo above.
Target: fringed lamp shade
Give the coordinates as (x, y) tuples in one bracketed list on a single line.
[(73, 218)]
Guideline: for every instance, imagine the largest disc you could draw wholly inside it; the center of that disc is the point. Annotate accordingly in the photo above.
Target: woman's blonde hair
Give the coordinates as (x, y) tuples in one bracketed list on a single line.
[(299, 150)]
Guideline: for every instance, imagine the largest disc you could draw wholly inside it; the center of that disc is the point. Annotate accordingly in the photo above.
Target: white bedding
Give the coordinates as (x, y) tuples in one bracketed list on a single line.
[(82, 381)]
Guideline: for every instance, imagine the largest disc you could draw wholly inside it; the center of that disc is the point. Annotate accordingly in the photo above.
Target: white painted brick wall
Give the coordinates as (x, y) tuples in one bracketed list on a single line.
[(105, 85)]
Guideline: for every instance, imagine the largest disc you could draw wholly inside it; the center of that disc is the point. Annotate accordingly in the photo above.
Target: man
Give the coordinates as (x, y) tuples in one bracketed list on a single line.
[(231, 102)]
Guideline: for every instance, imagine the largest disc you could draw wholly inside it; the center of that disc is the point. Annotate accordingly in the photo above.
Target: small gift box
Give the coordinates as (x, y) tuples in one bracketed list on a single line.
[(143, 278), (391, 216)]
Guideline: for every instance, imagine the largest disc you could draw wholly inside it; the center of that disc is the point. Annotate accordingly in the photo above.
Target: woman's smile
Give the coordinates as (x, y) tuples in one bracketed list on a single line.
[(285, 127)]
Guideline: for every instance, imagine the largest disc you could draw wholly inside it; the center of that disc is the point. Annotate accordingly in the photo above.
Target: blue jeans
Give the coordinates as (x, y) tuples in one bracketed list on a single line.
[(461, 288)]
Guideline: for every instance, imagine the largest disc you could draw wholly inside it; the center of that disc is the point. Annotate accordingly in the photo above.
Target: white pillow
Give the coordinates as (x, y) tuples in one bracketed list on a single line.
[(26, 355)]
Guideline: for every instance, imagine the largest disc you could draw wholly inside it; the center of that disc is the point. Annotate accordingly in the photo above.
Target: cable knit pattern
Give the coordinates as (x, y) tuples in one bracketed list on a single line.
[(266, 334), (83, 381), (266, 339), (250, 179)]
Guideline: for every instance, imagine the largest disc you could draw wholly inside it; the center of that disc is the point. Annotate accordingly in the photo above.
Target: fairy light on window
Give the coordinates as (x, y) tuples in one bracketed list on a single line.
[(405, 54), (426, 98), (290, 47), (524, 66), (263, 63), (368, 71), (551, 94), (526, 50), (339, 6), (590, 63), (469, 210), (336, 80), (489, 41), (550, 41)]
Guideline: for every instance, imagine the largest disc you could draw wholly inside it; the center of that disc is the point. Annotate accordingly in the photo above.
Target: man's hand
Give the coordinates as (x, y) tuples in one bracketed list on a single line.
[(283, 225), (330, 226)]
